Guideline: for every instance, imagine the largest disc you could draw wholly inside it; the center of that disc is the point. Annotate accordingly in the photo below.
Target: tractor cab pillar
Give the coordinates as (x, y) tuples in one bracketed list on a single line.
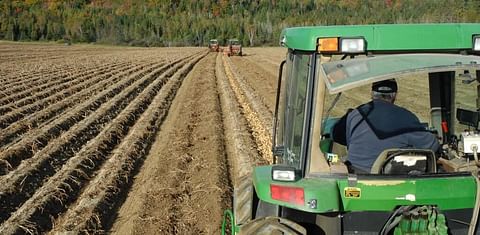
[(442, 103)]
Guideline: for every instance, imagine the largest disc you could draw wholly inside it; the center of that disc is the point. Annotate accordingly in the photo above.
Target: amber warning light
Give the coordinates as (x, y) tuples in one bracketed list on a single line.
[(288, 194), (328, 45)]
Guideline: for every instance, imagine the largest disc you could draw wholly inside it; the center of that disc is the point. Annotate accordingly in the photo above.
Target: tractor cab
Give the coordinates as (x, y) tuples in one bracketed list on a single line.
[(234, 47), (213, 45), (438, 77), (441, 89), (329, 70)]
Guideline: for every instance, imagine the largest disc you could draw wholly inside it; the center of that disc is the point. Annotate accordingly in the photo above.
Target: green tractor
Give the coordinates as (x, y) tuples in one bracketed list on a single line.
[(309, 189)]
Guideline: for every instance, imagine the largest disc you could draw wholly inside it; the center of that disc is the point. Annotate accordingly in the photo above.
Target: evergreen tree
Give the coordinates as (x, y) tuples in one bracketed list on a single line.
[(195, 22)]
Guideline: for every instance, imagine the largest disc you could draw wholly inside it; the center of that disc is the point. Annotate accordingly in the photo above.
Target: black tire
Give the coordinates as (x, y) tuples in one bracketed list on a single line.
[(264, 209), (272, 225), (246, 205), (243, 200)]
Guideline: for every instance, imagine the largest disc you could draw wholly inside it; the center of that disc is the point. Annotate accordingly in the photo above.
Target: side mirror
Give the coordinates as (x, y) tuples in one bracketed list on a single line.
[(469, 118), (405, 161), (405, 164)]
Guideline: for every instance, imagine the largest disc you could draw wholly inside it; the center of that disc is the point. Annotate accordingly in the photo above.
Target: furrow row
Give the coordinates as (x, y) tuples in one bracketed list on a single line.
[(253, 115), (46, 68), (29, 88), (80, 118), (16, 77), (65, 185), (98, 199), (37, 119), (82, 81), (51, 97)]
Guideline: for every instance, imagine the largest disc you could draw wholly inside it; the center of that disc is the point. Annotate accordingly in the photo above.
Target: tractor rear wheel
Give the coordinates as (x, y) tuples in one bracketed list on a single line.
[(256, 216), (243, 200), (272, 225)]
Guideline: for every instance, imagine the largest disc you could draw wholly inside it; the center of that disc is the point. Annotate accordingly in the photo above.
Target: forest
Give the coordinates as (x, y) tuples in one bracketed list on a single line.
[(195, 22)]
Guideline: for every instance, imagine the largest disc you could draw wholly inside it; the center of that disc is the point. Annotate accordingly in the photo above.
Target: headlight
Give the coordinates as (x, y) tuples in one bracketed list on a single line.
[(352, 45), (283, 175), (283, 41), (476, 43)]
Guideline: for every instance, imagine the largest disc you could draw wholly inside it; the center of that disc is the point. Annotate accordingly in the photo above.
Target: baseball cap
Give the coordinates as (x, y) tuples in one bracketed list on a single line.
[(385, 86)]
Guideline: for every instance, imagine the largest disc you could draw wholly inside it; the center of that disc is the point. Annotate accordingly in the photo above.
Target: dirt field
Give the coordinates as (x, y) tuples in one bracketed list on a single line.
[(97, 139), (127, 140)]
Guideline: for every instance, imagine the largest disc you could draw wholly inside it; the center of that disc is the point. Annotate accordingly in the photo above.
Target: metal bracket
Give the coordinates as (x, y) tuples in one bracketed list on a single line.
[(352, 180)]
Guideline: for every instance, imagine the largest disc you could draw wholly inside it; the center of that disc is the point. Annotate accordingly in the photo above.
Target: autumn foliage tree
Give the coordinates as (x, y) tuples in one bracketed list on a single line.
[(194, 22)]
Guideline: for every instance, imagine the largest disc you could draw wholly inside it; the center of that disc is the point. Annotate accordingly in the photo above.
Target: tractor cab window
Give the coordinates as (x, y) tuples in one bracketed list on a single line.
[(466, 96), (291, 111), (412, 94), (436, 88)]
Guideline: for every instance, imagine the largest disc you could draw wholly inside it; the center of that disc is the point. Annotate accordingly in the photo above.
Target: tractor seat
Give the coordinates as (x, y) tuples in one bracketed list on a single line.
[(405, 162)]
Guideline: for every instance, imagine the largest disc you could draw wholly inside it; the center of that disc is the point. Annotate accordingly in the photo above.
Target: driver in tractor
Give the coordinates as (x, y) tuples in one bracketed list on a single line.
[(379, 125)]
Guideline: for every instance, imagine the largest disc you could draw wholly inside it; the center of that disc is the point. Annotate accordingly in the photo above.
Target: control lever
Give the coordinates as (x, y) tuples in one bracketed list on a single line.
[(474, 148)]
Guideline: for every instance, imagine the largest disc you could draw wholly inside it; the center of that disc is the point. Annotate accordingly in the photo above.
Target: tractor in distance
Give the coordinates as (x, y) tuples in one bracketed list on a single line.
[(213, 45), (309, 190), (234, 47)]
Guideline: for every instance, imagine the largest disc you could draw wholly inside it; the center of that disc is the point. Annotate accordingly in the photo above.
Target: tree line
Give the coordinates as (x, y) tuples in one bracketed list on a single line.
[(195, 22)]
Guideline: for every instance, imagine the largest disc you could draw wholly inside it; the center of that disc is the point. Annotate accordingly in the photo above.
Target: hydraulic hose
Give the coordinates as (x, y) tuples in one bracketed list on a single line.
[(228, 214), (473, 222), (476, 209)]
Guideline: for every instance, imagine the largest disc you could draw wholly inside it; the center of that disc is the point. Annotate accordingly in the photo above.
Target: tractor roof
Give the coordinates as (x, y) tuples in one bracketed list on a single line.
[(388, 37)]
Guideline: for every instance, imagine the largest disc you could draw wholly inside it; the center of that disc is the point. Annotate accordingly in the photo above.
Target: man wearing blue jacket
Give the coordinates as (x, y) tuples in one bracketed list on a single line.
[(378, 125)]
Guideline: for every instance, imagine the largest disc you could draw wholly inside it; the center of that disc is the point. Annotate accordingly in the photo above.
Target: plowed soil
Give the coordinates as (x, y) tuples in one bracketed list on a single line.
[(98, 139)]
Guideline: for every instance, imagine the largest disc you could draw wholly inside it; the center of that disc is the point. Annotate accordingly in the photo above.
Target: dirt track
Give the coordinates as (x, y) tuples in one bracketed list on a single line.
[(129, 141), (186, 181)]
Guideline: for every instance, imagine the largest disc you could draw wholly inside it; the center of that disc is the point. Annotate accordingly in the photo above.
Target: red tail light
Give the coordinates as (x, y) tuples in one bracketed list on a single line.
[(288, 194)]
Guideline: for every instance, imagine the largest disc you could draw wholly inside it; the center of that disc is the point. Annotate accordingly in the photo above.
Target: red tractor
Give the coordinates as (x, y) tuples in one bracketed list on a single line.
[(234, 47), (213, 45)]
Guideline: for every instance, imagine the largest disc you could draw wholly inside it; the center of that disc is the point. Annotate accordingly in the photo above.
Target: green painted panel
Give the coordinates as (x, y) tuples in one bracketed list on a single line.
[(447, 193), (328, 191), (388, 37), (324, 191)]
